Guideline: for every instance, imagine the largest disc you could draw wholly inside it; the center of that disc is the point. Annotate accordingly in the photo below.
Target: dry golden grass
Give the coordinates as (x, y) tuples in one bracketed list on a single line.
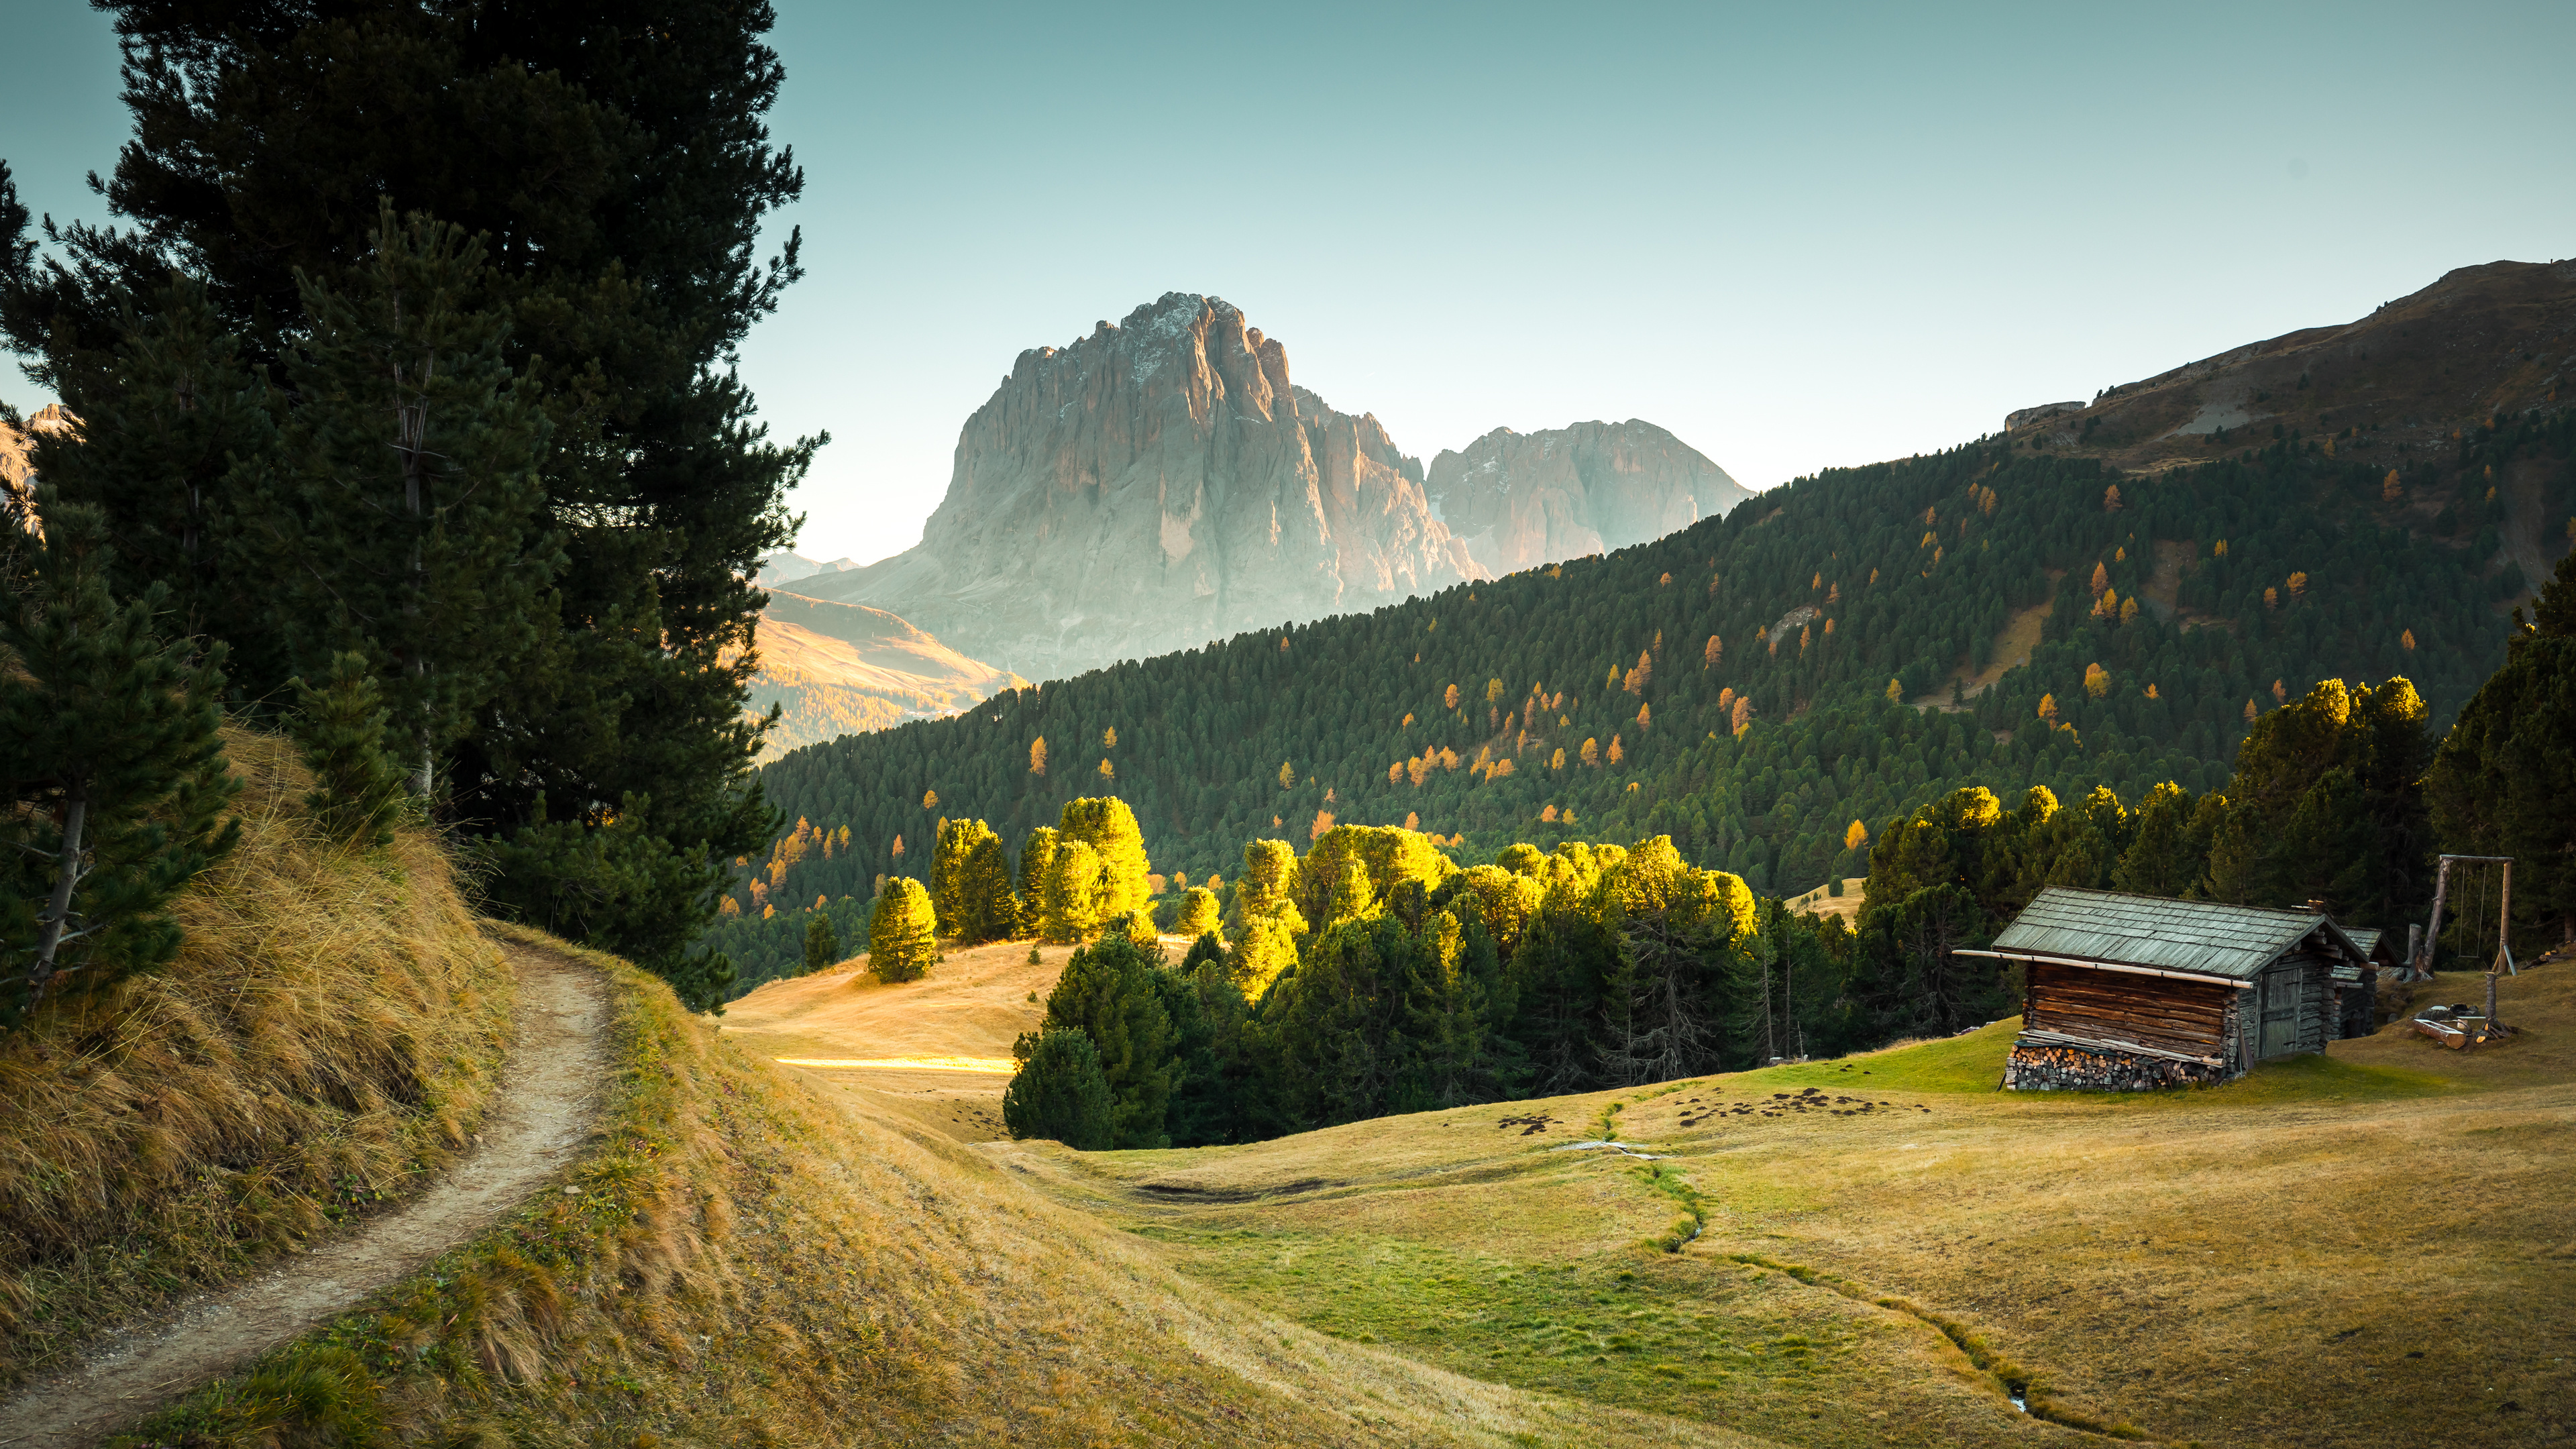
[(972, 1005), (747, 1262), (324, 1039), (2371, 1247), (1820, 902)]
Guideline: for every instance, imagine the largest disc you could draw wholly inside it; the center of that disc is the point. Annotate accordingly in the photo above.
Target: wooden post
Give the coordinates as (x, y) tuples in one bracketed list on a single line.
[(2504, 935), (2421, 968)]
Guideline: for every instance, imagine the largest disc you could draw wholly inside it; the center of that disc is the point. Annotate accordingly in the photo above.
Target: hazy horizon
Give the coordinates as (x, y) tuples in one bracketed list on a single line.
[(1794, 241)]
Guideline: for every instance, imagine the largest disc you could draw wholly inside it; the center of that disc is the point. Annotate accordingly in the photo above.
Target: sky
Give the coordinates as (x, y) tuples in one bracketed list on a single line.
[(1796, 236)]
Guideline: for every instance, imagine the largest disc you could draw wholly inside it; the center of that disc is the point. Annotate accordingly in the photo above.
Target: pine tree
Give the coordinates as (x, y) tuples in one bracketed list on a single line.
[(822, 943), (1107, 993), (174, 424), (1059, 1094), (2500, 783), (950, 893), (357, 787), (988, 908), (112, 766), (1037, 854), (1198, 915), (2163, 858), (632, 276), (902, 933), (402, 516)]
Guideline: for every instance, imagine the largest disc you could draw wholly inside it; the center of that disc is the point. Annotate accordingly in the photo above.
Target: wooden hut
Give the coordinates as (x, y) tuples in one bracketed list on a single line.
[(2356, 983), (2129, 992)]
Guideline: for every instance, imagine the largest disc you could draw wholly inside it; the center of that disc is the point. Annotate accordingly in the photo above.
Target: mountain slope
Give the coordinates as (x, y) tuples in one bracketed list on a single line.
[(2397, 386), (2230, 586), (1518, 500), (836, 669)]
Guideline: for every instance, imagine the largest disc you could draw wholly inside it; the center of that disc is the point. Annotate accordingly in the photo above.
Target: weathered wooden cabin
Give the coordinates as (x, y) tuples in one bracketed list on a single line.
[(2131, 992)]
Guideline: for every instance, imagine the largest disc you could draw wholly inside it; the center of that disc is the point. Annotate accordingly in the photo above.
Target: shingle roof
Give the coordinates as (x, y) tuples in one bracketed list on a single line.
[(2203, 937)]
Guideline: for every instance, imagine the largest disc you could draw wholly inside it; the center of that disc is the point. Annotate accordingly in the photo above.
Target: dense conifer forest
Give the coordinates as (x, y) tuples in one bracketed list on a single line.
[(1769, 689)]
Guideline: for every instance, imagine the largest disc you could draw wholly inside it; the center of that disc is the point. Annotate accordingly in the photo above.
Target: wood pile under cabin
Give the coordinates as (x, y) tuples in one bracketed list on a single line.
[(2129, 993)]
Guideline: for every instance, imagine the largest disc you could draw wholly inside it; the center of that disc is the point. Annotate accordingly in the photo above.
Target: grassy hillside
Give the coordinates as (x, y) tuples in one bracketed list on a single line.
[(2356, 1248), (2353, 1249), (2396, 387), (323, 1044), (836, 669), (752, 1258), (1963, 583)]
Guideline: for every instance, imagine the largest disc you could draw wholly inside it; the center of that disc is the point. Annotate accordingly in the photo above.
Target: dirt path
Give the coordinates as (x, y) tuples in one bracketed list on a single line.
[(549, 1092)]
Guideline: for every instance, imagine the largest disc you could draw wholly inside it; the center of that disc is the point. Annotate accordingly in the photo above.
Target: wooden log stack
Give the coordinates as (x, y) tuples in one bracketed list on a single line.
[(2037, 1067)]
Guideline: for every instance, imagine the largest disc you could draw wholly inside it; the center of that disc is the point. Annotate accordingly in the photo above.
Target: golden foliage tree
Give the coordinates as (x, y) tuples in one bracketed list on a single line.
[(902, 932), (1037, 755)]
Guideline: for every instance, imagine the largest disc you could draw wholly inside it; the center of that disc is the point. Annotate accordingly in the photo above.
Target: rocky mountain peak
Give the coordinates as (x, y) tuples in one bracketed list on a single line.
[(1518, 500), (1154, 484)]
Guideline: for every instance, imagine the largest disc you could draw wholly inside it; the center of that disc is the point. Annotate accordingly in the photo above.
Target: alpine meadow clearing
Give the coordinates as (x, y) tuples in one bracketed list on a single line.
[(2367, 1247)]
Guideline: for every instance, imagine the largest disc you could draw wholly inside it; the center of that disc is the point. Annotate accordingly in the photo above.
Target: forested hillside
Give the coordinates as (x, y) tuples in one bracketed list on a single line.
[(1853, 645)]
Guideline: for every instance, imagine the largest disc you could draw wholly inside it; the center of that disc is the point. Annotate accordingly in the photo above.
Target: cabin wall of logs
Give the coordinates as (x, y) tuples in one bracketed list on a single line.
[(2188, 1017)]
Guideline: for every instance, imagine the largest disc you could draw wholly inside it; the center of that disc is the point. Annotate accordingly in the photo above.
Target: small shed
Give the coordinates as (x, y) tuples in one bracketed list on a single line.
[(2356, 983), (2128, 992)]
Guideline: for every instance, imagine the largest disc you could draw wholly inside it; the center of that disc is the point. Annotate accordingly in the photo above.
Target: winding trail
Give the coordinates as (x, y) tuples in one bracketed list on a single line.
[(540, 1119)]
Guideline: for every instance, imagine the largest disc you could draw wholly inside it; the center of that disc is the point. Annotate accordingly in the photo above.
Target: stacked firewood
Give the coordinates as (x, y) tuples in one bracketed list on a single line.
[(2033, 1067)]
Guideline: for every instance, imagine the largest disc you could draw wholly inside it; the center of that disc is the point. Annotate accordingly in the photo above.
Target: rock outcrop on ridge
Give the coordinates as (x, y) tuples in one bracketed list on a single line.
[(1152, 486), (1518, 500)]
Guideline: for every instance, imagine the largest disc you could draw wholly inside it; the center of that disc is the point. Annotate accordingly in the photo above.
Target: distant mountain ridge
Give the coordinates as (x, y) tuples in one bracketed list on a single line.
[(2033, 608), (836, 669), (1518, 500), (2485, 342), (1161, 483)]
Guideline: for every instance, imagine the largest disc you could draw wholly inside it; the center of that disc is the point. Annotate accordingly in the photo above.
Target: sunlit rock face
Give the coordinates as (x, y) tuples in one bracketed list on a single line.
[(1153, 486), (1518, 500)]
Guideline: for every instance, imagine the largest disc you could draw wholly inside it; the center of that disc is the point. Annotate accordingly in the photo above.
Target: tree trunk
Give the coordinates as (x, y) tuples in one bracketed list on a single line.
[(58, 910)]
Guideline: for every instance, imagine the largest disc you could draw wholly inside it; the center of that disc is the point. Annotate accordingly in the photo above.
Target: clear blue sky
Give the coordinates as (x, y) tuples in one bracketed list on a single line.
[(1796, 236)]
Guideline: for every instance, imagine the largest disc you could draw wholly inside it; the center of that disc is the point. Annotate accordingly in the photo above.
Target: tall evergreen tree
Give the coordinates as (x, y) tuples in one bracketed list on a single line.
[(822, 943), (961, 908), (988, 909), (1059, 1092), (1069, 899), (620, 163), (1105, 824), (2502, 780), (175, 425), (1107, 993), (110, 765), (401, 516)]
